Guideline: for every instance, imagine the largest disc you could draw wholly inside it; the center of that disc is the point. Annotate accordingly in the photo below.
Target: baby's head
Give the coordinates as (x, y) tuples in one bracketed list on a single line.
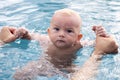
[(65, 26), (67, 17)]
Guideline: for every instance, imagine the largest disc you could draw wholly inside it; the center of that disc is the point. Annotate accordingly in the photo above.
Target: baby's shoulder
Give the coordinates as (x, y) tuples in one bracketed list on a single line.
[(87, 42), (44, 39)]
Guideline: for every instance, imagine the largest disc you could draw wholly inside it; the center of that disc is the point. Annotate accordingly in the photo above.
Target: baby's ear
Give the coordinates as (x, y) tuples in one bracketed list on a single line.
[(80, 36), (48, 30)]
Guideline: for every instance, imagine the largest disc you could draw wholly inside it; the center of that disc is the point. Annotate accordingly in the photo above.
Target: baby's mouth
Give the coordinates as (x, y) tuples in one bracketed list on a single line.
[(61, 41)]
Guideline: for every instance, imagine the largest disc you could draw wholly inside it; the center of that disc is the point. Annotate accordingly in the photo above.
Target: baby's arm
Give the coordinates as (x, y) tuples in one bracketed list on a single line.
[(25, 34)]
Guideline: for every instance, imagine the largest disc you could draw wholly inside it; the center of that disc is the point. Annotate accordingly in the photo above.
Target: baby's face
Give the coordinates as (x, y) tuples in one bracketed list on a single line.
[(64, 31)]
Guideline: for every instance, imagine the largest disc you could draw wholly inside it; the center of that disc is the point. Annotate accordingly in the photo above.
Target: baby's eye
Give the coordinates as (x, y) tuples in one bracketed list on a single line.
[(69, 31), (57, 29)]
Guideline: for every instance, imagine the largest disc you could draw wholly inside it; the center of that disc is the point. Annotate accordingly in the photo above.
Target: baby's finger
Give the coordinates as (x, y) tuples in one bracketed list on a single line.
[(102, 34), (101, 31), (94, 28)]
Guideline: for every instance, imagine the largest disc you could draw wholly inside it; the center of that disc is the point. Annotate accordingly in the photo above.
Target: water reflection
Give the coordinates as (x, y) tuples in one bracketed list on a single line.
[(36, 14)]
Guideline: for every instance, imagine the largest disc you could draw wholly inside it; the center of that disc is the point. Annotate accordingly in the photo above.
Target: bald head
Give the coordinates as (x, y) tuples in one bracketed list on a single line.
[(67, 17)]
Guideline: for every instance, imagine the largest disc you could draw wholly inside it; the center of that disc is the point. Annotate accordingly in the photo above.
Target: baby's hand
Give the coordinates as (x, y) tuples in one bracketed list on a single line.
[(21, 32), (100, 31)]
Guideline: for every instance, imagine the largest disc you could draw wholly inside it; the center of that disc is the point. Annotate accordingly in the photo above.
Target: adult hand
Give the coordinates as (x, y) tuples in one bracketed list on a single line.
[(7, 34), (105, 45)]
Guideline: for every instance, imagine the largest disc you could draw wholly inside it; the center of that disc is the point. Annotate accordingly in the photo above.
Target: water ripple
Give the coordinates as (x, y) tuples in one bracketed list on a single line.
[(36, 14)]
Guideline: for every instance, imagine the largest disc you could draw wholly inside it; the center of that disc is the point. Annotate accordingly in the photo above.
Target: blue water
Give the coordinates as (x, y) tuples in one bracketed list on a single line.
[(36, 14)]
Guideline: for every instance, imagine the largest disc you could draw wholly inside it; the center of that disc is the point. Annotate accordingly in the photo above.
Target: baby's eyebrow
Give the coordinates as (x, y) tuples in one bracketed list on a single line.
[(55, 25), (70, 28)]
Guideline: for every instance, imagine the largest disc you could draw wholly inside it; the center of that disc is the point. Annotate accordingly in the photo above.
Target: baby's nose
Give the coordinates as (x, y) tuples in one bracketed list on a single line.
[(61, 34)]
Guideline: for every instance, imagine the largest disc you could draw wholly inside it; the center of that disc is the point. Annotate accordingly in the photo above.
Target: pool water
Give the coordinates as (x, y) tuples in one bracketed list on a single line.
[(35, 15)]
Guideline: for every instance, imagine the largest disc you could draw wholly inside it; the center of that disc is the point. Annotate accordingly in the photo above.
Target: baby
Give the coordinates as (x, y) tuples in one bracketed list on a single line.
[(60, 45)]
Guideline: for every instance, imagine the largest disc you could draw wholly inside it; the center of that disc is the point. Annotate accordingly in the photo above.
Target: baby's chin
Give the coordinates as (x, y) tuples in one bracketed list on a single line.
[(62, 45)]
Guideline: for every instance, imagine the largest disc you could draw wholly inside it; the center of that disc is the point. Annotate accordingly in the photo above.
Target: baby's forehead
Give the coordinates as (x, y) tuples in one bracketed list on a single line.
[(66, 12), (66, 17)]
